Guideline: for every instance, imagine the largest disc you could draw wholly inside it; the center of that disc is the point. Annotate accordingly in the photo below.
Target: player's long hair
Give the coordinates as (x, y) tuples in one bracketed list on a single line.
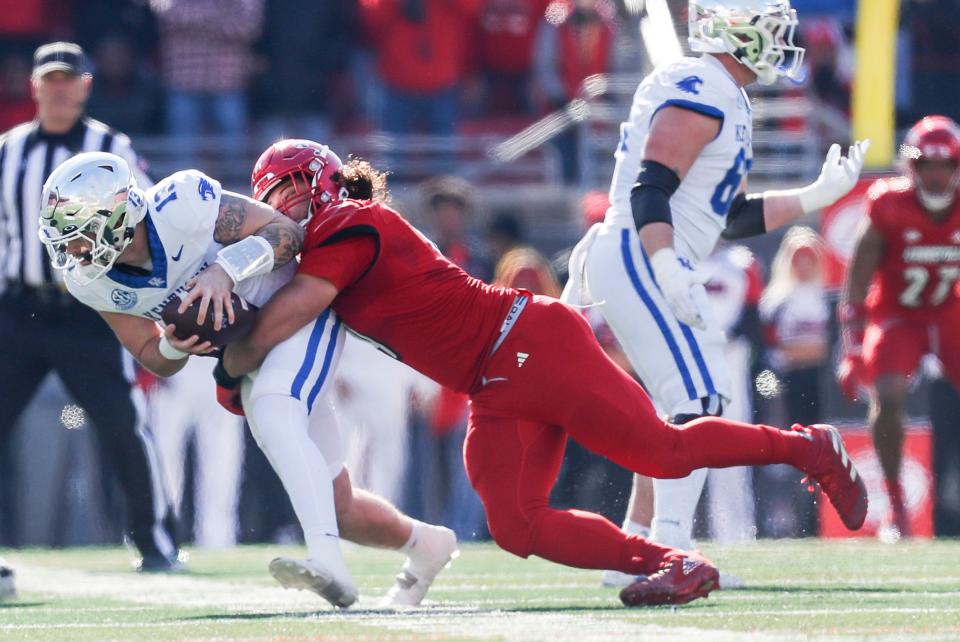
[(527, 268), (364, 182), (782, 277)]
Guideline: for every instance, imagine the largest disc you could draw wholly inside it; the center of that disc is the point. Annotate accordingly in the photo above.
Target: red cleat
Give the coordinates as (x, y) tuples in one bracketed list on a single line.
[(832, 468), (683, 577)]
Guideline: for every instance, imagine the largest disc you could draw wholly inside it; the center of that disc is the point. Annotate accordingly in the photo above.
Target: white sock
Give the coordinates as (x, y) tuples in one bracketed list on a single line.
[(279, 423), (674, 503), (411, 543), (631, 527)]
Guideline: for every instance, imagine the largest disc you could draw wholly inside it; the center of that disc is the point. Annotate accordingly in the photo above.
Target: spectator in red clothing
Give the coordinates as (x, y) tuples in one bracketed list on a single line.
[(420, 48), (34, 19), (507, 30), (574, 42)]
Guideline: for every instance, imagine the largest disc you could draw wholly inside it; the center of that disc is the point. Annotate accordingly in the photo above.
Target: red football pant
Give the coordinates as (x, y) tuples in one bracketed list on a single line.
[(895, 344), (549, 380)]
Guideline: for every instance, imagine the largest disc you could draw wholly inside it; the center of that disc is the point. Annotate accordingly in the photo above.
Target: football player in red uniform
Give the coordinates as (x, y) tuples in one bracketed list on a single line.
[(900, 300), (535, 375)]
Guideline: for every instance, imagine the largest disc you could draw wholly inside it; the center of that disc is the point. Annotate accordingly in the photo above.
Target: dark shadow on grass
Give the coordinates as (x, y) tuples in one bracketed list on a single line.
[(817, 589), (21, 605), (610, 608)]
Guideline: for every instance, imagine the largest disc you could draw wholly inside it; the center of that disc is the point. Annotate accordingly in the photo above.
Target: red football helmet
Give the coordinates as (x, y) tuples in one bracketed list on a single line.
[(933, 138), (316, 166)]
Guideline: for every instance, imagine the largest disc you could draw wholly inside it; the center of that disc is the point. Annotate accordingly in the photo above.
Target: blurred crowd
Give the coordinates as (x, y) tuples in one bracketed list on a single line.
[(229, 67)]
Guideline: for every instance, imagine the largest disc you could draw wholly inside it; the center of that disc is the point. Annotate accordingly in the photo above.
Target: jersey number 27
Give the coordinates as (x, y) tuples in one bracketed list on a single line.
[(917, 278)]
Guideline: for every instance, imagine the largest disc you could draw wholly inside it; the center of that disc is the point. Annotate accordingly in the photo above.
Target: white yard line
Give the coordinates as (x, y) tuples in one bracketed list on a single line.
[(477, 620)]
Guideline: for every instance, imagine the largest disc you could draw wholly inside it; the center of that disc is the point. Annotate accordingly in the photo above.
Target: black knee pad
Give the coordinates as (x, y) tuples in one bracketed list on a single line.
[(712, 407)]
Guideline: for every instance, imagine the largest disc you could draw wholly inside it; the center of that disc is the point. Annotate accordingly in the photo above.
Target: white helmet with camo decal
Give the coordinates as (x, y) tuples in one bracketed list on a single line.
[(758, 33), (91, 197)]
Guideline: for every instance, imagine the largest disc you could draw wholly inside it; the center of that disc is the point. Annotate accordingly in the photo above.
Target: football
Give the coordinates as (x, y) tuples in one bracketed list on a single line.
[(244, 315)]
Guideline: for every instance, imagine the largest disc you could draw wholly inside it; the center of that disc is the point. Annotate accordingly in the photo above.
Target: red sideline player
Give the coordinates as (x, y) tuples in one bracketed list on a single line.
[(535, 375), (900, 300)]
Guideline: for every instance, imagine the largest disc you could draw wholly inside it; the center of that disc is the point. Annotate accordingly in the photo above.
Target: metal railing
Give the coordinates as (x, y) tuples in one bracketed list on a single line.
[(787, 149)]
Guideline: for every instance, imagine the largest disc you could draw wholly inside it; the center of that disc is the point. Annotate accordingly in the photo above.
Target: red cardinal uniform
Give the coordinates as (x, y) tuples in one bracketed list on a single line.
[(534, 373), (912, 306)]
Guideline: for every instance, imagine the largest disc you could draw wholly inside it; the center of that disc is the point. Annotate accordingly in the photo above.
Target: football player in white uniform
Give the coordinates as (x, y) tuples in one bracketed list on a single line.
[(126, 253), (678, 185)]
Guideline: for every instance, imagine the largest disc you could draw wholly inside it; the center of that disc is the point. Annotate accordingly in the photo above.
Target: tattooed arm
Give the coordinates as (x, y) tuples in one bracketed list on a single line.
[(240, 217)]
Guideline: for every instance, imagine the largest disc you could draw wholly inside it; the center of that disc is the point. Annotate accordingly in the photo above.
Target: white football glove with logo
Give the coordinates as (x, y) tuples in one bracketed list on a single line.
[(837, 177), (676, 283)]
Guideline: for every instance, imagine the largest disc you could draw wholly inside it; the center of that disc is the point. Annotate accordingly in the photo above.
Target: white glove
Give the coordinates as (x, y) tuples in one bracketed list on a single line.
[(838, 176), (676, 283)]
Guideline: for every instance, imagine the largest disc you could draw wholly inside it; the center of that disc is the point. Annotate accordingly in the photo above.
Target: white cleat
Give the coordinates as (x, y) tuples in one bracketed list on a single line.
[(617, 579), (730, 581), (8, 587), (311, 575), (434, 551)]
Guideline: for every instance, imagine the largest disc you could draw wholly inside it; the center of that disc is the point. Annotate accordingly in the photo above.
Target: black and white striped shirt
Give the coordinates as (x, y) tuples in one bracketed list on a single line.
[(27, 157)]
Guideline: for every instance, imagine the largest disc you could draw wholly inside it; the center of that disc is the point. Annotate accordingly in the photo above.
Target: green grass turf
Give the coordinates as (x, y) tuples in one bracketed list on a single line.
[(796, 590)]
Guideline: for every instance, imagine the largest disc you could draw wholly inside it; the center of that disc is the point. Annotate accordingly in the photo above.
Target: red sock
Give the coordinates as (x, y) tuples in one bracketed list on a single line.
[(894, 492), (715, 442), (587, 540)]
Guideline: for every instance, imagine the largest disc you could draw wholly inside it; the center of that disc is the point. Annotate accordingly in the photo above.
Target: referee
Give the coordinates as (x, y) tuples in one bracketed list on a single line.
[(42, 328)]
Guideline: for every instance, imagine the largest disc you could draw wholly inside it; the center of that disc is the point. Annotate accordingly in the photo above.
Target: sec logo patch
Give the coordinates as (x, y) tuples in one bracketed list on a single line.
[(123, 299)]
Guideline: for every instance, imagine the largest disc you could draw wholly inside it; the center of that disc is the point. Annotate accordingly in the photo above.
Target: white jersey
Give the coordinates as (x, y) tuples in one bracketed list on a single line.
[(699, 207), (182, 211)]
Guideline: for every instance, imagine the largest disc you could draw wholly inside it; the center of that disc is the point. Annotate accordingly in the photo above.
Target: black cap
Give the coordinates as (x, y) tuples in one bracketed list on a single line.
[(59, 56)]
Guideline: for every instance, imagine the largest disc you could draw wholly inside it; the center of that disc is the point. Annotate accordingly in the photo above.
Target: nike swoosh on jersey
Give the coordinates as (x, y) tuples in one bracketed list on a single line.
[(176, 257)]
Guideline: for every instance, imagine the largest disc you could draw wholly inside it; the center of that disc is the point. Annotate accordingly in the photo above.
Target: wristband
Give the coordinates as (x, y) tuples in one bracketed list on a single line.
[(168, 351)]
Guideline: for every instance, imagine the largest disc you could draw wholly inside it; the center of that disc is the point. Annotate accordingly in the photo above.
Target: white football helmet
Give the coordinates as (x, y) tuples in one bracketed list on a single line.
[(758, 33), (91, 197)]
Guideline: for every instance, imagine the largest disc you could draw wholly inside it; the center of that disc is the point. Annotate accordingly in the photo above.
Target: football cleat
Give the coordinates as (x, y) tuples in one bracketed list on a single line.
[(730, 582), (312, 575), (896, 525), (436, 548), (159, 564), (618, 579), (683, 577), (832, 468), (8, 586)]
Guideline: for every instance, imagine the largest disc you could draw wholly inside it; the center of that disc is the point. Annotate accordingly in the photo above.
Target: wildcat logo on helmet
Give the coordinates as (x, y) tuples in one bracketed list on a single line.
[(123, 299), (690, 84), (205, 188)]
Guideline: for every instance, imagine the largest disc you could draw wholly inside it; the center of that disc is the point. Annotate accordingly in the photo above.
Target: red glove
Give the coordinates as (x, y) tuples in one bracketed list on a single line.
[(852, 377), (229, 398), (852, 373), (228, 389)]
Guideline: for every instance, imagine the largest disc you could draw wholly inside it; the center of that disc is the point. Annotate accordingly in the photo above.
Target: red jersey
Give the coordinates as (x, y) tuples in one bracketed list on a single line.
[(921, 266), (403, 294)]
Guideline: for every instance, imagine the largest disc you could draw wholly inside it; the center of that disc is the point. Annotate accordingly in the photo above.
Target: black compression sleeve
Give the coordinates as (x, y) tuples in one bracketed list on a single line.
[(745, 217), (650, 196)]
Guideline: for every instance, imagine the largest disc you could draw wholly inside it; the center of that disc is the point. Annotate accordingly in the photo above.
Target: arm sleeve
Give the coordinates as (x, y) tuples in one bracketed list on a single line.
[(343, 262), (876, 214)]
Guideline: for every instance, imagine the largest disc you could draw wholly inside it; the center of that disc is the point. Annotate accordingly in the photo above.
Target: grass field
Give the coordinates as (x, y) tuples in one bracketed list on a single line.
[(796, 590)]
